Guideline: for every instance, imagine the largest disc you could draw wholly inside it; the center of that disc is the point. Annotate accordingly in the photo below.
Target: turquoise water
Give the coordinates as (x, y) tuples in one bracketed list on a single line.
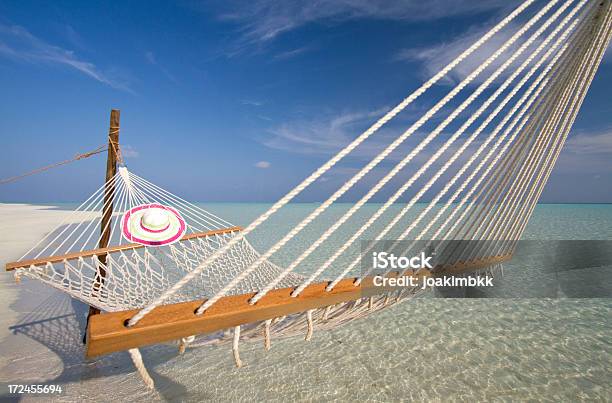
[(555, 349), (424, 349), (549, 221)]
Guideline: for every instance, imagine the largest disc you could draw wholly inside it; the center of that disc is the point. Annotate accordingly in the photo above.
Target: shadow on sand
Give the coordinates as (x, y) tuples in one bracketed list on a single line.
[(58, 324)]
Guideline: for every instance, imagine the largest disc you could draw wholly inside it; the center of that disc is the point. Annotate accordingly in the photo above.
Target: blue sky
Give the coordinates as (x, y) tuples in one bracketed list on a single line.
[(238, 101)]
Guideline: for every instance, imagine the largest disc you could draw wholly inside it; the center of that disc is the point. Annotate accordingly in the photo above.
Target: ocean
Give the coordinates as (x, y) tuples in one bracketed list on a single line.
[(513, 345)]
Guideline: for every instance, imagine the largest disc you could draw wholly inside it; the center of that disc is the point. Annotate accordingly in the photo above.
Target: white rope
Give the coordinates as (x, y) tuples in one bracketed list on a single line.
[(543, 174), (218, 221), (524, 182), (464, 212), (520, 181), (210, 220), (601, 44), (95, 196), (90, 204), (402, 213), (484, 160), (497, 189), (548, 134), (235, 351), (487, 141), (310, 325), (326, 312), (522, 169), (305, 222), (442, 149), (194, 217), (449, 184), (96, 220), (524, 120), (122, 206), (142, 370), (184, 342), (499, 233), (319, 172), (77, 226), (489, 186), (118, 188), (496, 156), (267, 343)]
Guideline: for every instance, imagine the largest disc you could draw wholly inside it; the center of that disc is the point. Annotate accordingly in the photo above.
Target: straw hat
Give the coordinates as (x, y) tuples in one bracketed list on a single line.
[(152, 225)]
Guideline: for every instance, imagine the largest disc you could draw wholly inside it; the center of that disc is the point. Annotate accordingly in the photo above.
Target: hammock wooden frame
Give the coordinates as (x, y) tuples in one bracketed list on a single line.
[(105, 251), (108, 333)]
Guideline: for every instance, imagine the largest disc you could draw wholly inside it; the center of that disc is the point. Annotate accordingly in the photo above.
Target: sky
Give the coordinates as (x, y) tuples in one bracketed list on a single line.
[(238, 101)]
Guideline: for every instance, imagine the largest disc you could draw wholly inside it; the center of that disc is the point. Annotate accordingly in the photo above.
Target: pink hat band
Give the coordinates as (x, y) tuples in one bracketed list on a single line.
[(144, 227)]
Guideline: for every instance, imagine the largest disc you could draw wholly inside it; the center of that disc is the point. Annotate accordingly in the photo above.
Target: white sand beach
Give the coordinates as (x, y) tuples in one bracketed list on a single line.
[(425, 349), (21, 225), (40, 327)]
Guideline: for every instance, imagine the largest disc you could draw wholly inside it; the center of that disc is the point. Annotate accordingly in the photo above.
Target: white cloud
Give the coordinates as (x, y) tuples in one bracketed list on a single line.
[(434, 58), (73, 37), (264, 20), (263, 164), (17, 43), (289, 54), (327, 135), (590, 143), (323, 136), (608, 55), (150, 56), (128, 151), (152, 60), (251, 102), (587, 152)]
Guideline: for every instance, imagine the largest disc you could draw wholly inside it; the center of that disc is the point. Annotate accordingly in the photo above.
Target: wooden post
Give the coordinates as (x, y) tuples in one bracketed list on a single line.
[(111, 171), (109, 194)]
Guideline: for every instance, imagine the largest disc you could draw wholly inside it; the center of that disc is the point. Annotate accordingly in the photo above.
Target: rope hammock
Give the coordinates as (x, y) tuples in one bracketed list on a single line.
[(481, 155)]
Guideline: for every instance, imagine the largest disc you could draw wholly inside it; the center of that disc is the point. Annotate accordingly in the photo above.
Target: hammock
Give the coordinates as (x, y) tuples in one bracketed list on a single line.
[(491, 168), (134, 274)]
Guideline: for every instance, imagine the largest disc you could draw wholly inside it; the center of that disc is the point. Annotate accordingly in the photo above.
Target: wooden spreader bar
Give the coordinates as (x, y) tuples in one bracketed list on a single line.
[(108, 332), (105, 251)]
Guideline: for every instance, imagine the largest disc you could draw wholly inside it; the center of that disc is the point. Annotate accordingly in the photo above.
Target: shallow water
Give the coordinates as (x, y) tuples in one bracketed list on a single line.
[(555, 349)]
